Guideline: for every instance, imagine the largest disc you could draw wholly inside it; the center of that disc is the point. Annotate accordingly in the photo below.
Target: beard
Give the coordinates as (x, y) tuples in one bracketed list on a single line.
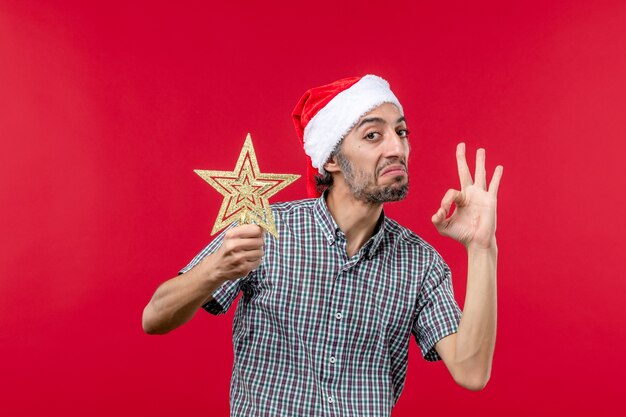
[(363, 185)]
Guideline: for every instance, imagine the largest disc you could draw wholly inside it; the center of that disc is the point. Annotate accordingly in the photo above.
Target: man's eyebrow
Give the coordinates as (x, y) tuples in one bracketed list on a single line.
[(371, 120), (378, 120)]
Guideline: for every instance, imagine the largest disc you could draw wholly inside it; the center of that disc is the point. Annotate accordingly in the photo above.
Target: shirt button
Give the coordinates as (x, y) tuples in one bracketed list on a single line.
[(332, 359), (331, 400), (339, 316)]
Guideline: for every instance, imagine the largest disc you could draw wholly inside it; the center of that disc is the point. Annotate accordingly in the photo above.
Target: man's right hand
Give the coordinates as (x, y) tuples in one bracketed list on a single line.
[(176, 301), (241, 252)]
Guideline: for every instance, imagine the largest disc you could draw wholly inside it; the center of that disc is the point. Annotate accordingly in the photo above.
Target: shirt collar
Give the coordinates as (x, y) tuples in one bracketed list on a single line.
[(331, 230), (379, 232), (325, 219)]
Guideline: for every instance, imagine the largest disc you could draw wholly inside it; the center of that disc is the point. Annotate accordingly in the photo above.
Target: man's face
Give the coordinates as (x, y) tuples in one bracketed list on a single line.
[(373, 156)]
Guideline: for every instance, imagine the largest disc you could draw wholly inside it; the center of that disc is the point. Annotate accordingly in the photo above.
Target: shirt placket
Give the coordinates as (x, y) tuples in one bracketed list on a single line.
[(338, 320)]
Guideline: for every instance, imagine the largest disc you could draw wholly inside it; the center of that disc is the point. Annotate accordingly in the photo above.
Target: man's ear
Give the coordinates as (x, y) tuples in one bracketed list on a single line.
[(332, 165)]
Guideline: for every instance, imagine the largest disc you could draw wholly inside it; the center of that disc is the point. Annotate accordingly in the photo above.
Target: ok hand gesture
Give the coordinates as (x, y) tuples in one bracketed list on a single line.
[(473, 223)]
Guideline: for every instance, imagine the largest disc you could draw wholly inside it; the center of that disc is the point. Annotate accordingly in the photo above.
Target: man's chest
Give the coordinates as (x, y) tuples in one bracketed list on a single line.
[(320, 297)]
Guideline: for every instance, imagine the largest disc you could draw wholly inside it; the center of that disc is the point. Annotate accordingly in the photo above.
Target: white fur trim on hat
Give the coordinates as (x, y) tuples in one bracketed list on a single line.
[(338, 117)]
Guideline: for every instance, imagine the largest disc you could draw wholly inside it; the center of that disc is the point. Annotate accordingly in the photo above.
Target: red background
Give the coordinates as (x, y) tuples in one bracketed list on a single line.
[(106, 108)]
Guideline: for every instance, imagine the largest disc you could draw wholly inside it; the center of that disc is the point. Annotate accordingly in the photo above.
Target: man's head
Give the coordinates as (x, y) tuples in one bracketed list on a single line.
[(326, 116), (371, 160)]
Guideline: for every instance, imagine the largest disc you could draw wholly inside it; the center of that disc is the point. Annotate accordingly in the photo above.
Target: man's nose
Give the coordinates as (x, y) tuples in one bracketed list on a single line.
[(395, 145)]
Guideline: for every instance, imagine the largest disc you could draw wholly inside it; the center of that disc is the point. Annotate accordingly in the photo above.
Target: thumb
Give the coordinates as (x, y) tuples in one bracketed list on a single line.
[(439, 219)]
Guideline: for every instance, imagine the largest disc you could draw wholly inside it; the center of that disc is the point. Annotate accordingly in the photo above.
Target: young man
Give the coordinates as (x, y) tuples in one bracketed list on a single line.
[(328, 309)]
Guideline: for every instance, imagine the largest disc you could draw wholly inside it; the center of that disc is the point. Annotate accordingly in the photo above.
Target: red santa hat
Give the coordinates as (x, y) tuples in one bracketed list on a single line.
[(324, 115)]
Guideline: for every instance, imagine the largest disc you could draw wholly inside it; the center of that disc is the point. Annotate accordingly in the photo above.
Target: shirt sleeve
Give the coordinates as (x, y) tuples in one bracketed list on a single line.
[(438, 314), (225, 295)]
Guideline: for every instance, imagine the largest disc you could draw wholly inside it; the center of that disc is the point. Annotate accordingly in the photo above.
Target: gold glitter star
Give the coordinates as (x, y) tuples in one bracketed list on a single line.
[(246, 191)]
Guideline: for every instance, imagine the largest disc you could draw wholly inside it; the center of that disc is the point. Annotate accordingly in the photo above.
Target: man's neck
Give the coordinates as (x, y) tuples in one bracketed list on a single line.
[(356, 219)]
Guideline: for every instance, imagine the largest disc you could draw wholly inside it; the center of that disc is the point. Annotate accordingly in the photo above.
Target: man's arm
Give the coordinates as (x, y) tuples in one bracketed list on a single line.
[(468, 354), (176, 301)]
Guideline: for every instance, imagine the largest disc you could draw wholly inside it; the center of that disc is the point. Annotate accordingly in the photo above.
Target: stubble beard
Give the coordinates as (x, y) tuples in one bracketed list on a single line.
[(363, 186)]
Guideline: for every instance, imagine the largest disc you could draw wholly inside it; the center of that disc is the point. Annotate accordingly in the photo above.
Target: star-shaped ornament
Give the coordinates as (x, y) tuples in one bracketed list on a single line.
[(246, 191)]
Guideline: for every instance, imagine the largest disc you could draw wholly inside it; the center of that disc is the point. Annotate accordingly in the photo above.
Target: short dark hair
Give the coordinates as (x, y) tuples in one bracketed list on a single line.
[(324, 181)]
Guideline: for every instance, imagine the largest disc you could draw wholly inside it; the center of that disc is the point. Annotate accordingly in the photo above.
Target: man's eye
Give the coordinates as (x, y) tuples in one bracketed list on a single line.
[(403, 133), (372, 135)]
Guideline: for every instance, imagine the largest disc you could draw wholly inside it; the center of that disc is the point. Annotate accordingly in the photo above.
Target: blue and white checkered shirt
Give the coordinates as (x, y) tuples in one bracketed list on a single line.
[(317, 333)]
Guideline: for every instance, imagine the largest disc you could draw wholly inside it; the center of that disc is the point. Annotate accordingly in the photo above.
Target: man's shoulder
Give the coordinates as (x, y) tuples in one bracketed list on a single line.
[(407, 237), (285, 207), (295, 211)]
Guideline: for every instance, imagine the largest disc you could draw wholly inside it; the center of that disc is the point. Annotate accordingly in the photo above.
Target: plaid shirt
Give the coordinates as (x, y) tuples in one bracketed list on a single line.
[(319, 334)]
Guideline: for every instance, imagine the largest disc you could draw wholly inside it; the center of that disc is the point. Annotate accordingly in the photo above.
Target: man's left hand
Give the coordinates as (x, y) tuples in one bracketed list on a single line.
[(473, 222)]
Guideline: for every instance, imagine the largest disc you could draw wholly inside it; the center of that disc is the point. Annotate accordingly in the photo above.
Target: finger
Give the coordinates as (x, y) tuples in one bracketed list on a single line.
[(253, 255), (255, 264), (248, 244), (245, 231), (464, 173), (451, 196), (495, 180), (480, 174), (439, 219)]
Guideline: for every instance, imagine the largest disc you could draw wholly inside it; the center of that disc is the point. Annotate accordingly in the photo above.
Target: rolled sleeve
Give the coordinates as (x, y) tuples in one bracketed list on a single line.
[(438, 312), (224, 297)]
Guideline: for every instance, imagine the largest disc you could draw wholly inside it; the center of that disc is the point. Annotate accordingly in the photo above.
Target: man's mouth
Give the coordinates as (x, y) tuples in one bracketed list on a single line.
[(393, 170)]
